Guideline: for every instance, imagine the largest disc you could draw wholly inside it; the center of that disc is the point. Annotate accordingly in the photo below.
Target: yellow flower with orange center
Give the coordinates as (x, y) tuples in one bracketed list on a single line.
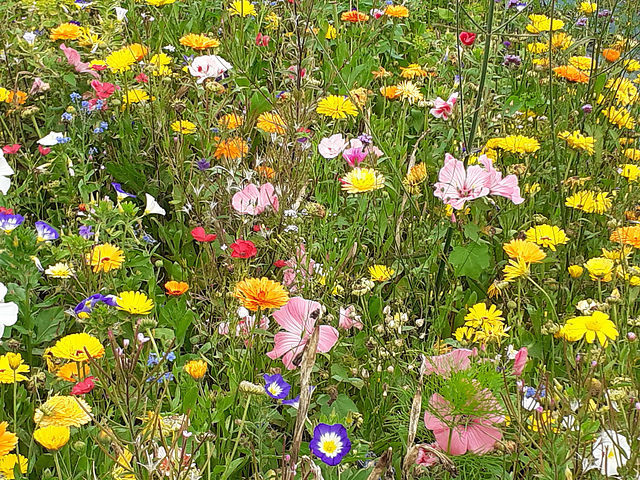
[(261, 293), (78, 347), (199, 41), (105, 257), (360, 180), (176, 288)]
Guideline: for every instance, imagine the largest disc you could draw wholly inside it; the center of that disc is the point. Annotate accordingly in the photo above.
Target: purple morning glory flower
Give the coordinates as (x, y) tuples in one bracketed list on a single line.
[(330, 443), (85, 307), (8, 221), (85, 231), (121, 193), (46, 232), (203, 164), (295, 402), (275, 386)]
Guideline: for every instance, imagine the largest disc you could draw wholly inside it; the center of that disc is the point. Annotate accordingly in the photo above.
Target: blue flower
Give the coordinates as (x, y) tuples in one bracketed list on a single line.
[(152, 361), (121, 193), (167, 376), (275, 386), (63, 139), (8, 221), (85, 307), (203, 164), (170, 356), (330, 443), (75, 96), (67, 117), (46, 232), (85, 231)]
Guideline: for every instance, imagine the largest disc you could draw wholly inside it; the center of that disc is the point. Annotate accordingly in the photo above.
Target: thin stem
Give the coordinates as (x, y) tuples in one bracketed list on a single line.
[(58, 469), (235, 446)]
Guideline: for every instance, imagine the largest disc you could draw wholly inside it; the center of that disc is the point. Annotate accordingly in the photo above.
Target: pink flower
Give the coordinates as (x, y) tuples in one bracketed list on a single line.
[(11, 149), (455, 186), (253, 200), (298, 319), (520, 361), (453, 361), (200, 235), (103, 90), (300, 269), (426, 458), (505, 187), (243, 249), (459, 434), (73, 57), (44, 150), (442, 109), (294, 69), (354, 156), (39, 86), (467, 38), (208, 66), (223, 328), (331, 147), (141, 78), (83, 387), (262, 40), (349, 319)]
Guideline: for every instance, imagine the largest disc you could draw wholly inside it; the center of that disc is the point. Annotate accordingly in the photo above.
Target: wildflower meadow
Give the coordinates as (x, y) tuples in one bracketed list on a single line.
[(311, 239)]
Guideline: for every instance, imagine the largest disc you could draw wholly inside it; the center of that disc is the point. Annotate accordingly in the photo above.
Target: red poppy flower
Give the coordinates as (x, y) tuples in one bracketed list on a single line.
[(141, 78), (467, 38), (83, 387), (199, 235), (44, 150), (9, 149), (243, 249), (262, 40), (279, 263), (6, 210)]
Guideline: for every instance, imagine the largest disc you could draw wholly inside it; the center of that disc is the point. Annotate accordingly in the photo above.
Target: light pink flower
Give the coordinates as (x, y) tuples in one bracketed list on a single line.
[(456, 185), (39, 86), (444, 365), (505, 187), (73, 57), (520, 361), (223, 328), (456, 435), (298, 319), (331, 147), (208, 66), (426, 458), (252, 200), (442, 109), (300, 269), (349, 318)]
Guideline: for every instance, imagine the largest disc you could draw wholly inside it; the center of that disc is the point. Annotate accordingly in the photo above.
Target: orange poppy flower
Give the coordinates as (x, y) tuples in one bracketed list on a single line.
[(611, 54), (354, 16), (571, 73), (176, 288), (390, 92)]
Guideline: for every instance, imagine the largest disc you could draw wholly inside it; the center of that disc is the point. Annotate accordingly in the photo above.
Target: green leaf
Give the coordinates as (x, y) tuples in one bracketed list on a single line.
[(470, 260), (46, 324)]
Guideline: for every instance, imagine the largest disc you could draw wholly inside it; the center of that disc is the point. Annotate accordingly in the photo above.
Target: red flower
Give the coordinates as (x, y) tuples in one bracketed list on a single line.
[(467, 38), (256, 228), (44, 150), (83, 387), (262, 40), (279, 263), (141, 78), (6, 210), (243, 249), (98, 68), (103, 90), (9, 149), (199, 235)]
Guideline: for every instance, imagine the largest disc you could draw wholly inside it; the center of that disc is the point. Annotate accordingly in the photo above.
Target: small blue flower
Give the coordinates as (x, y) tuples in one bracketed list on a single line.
[(152, 361), (530, 392), (63, 139), (203, 164), (170, 356), (275, 386), (98, 130), (104, 125), (148, 239), (75, 96), (66, 117), (85, 231), (167, 376)]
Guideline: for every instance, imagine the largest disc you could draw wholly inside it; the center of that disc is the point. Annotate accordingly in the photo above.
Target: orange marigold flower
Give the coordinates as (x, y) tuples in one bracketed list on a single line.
[(390, 92), (66, 31), (137, 50), (267, 172), (271, 122), (69, 371), (176, 288), (17, 96), (627, 235), (610, 54), (199, 42), (261, 293), (231, 148), (397, 11), (571, 73), (231, 121), (354, 16), (8, 440)]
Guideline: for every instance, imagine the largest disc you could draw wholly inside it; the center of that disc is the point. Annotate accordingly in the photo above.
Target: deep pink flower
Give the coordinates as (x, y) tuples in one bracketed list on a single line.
[(442, 109), (200, 235), (279, 263), (505, 187), (298, 319), (252, 200), (39, 86), (456, 185), (103, 90), (520, 361), (354, 156), (243, 249), (467, 38), (444, 365), (83, 387), (426, 458), (349, 318), (459, 434), (332, 146), (262, 40), (141, 78), (11, 149), (44, 150)]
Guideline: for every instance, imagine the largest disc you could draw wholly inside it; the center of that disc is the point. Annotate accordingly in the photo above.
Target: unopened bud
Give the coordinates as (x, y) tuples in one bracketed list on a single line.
[(251, 388)]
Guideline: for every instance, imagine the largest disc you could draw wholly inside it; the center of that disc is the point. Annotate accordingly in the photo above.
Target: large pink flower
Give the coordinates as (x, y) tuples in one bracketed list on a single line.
[(442, 109), (505, 187), (456, 185), (459, 434), (330, 147), (298, 319), (453, 361), (253, 200)]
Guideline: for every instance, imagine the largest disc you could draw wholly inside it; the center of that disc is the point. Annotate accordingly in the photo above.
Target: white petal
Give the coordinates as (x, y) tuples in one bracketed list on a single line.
[(153, 207), (3, 291), (5, 183), (51, 139), (5, 168), (8, 314)]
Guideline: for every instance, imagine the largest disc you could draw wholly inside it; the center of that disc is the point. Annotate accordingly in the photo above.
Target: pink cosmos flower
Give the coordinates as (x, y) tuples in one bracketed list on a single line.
[(520, 361), (444, 365), (505, 187), (103, 90), (330, 147), (459, 434), (349, 318), (253, 200), (442, 109), (208, 66), (298, 319), (456, 185), (73, 57)]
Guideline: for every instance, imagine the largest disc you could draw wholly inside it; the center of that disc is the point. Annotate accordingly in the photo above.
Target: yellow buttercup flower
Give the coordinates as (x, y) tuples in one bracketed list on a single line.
[(120, 60), (136, 303), (547, 236), (52, 437), (619, 117), (600, 269), (332, 33), (63, 411), (160, 3), (541, 23), (632, 154), (75, 347), (360, 180), (631, 65), (626, 92), (136, 95), (196, 369), (588, 8), (537, 47), (597, 325), (381, 273), (517, 144), (243, 8), (581, 200), (183, 126), (582, 63), (336, 107), (479, 314), (629, 171), (561, 40), (105, 257)]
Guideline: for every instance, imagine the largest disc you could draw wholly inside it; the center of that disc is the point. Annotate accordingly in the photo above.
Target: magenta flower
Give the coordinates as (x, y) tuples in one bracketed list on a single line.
[(444, 365), (253, 200), (442, 109), (505, 187), (459, 434), (354, 156), (456, 185), (298, 319)]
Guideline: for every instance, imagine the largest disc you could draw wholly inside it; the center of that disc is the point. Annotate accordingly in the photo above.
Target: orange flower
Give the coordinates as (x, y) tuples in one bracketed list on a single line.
[(397, 11), (571, 73), (389, 92), (66, 31), (267, 172), (232, 148), (231, 121), (354, 16), (627, 235), (261, 293), (8, 440), (176, 288), (16, 96), (199, 42), (611, 54), (138, 51), (69, 371)]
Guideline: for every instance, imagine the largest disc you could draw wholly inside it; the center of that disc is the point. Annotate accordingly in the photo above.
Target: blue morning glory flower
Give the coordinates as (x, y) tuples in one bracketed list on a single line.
[(121, 193), (46, 232), (275, 386), (330, 443), (8, 221)]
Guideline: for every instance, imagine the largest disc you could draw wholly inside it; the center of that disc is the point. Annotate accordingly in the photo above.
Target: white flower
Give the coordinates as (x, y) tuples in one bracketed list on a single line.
[(29, 37), (8, 311), (153, 207), (5, 172), (169, 48), (51, 139), (121, 14), (610, 451), (208, 66)]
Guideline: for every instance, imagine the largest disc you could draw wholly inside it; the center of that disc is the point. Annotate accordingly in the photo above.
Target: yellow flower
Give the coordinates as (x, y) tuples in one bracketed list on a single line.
[(260, 293), (416, 175), (136, 303), (273, 21), (9, 374), (63, 411), (629, 171), (601, 203), (332, 33), (381, 273), (8, 440), (541, 23), (619, 117), (60, 270), (120, 60), (532, 189), (9, 462), (409, 91), (626, 92), (575, 270), (537, 47), (196, 369), (584, 200), (160, 63), (88, 39), (75, 347), (231, 121), (597, 325), (632, 154), (561, 40), (547, 236), (627, 235), (582, 63), (412, 71), (136, 95), (623, 253), (66, 31), (105, 257), (479, 314), (199, 42), (577, 141), (183, 126), (515, 269), (600, 269), (359, 96), (524, 250), (69, 371), (518, 144), (242, 8), (465, 335), (271, 122), (631, 65), (52, 437), (588, 8), (361, 180), (336, 107), (396, 11), (160, 3)]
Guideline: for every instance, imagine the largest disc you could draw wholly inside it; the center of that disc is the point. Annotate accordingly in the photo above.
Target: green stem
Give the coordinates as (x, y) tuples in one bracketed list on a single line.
[(15, 409), (58, 469), (235, 446)]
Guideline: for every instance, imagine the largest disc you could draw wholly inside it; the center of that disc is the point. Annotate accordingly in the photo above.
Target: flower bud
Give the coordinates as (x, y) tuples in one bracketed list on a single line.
[(251, 388), (575, 271), (630, 336), (15, 359)]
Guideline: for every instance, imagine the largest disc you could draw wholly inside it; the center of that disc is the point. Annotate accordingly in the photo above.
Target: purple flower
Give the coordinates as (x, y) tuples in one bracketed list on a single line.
[(8, 221), (511, 60), (587, 108), (581, 22), (203, 164), (365, 139), (276, 387), (85, 231), (330, 443), (85, 307), (121, 193), (46, 232), (604, 13), (506, 43)]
